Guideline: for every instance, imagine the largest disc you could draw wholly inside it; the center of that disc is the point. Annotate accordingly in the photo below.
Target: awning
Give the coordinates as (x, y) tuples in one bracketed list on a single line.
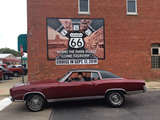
[(10, 60)]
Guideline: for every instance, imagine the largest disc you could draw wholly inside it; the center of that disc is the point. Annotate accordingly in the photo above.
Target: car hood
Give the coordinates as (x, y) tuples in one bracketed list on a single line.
[(42, 81)]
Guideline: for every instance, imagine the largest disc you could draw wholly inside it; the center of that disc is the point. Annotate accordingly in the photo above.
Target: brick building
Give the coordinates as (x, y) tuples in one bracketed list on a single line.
[(129, 37)]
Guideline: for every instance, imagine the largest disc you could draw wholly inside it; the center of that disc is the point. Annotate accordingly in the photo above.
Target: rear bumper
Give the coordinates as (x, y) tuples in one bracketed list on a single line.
[(138, 91), (144, 88)]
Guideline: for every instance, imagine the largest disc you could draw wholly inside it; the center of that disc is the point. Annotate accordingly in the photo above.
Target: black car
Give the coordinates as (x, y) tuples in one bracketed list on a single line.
[(6, 73)]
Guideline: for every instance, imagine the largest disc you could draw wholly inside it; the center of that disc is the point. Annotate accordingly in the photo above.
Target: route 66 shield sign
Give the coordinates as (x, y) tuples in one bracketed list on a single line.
[(76, 43)]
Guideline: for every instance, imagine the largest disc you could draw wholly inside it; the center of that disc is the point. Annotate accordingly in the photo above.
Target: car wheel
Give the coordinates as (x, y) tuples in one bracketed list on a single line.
[(6, 77), (115, 98), (35, 103), (15, 74)]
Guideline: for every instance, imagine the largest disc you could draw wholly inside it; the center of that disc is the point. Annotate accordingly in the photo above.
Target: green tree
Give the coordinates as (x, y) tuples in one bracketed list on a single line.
[(8, 51)]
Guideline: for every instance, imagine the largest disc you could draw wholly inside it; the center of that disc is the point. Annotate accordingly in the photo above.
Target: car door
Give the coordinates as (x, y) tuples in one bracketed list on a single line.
[(75, 89)]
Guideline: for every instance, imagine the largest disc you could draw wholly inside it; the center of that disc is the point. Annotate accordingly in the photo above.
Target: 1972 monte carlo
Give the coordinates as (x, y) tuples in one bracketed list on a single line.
[(77, 84)]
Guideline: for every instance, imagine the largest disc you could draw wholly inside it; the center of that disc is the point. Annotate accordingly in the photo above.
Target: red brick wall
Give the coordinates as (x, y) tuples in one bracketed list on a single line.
[(128, 39)]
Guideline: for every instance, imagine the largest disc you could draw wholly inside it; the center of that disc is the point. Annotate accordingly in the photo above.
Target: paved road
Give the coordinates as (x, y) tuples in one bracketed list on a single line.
[(137, 107)]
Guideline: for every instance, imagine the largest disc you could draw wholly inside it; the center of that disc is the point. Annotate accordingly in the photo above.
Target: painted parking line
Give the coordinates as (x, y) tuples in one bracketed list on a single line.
[(4, 103)]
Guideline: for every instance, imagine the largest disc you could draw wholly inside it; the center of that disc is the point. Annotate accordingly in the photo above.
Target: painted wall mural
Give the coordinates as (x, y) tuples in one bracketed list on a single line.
[(75, 41)]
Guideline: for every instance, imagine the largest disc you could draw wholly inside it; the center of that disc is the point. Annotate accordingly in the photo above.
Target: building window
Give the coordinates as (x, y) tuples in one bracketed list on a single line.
[(131, 7), (83, 6), (155, 55)]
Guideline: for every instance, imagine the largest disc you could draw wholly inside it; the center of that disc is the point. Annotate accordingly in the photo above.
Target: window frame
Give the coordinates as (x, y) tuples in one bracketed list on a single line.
[(156, 55), (132, 13), (92, 75), (79, 12)]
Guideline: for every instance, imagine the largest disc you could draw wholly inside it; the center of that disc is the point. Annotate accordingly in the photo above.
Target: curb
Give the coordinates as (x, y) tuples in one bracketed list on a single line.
[(153, 89)]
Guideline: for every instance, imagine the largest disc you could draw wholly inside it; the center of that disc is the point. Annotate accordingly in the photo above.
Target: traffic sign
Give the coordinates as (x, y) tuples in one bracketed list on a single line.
[(22, 40), (21, 50)]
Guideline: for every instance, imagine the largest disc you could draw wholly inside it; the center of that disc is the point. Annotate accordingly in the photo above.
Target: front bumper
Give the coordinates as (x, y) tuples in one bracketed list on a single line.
[(11, 98)]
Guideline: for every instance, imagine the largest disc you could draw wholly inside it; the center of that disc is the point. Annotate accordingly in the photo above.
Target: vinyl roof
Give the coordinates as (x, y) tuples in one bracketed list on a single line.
[(87, 69)]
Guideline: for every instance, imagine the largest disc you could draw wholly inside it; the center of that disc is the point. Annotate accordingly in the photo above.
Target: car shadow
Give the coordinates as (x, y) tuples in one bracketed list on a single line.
[(130, 102), (78, 104)]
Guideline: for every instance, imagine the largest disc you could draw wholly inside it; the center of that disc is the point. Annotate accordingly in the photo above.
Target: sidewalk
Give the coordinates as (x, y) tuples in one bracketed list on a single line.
[(5, 85), (153, 85)]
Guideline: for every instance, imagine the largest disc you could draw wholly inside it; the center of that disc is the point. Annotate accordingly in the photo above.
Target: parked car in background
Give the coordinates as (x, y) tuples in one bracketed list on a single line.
[(6, 73), (17, 70), (25, 70), (77, 84), (4, 65), (0, 75)]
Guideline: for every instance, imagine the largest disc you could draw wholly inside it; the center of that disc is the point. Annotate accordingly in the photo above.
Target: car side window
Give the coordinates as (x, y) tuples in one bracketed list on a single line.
[(95, 76), (79, 76), (106, 74)]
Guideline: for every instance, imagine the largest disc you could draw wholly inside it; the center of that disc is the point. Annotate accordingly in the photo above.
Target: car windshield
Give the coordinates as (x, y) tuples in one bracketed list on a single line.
[(63, 78)]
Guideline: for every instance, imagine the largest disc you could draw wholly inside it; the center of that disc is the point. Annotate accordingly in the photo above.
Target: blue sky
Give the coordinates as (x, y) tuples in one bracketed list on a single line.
[(13, 22)]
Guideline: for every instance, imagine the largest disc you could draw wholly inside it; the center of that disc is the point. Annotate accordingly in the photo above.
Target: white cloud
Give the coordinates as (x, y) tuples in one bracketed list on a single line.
[(13, 22)]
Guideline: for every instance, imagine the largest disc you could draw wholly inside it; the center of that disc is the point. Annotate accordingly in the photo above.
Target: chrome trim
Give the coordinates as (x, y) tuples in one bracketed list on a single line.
[(144, 88), (66, 76), (18, 100), (52, 100), (116, 89), (75, 98), (11, 98), (137, 91), (33, 93), (111, 78), (98, 74)]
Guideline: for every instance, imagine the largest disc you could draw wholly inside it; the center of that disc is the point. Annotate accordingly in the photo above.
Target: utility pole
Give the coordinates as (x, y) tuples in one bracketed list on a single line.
[(22, 63)]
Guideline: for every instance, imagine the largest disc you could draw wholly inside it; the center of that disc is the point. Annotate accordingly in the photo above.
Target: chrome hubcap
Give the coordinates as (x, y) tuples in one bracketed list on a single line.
[(116, 98), (35, 103)]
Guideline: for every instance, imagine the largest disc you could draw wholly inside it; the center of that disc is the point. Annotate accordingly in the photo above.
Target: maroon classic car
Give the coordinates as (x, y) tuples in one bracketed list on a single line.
[(77, 84), (0, 75)]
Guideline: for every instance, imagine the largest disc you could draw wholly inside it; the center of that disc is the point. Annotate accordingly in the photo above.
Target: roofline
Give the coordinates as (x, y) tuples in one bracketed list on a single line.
[(89, 69)]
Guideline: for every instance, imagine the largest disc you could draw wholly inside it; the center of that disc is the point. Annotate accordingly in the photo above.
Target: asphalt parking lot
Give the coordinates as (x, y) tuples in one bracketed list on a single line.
[(137, 107), (145, 106)]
